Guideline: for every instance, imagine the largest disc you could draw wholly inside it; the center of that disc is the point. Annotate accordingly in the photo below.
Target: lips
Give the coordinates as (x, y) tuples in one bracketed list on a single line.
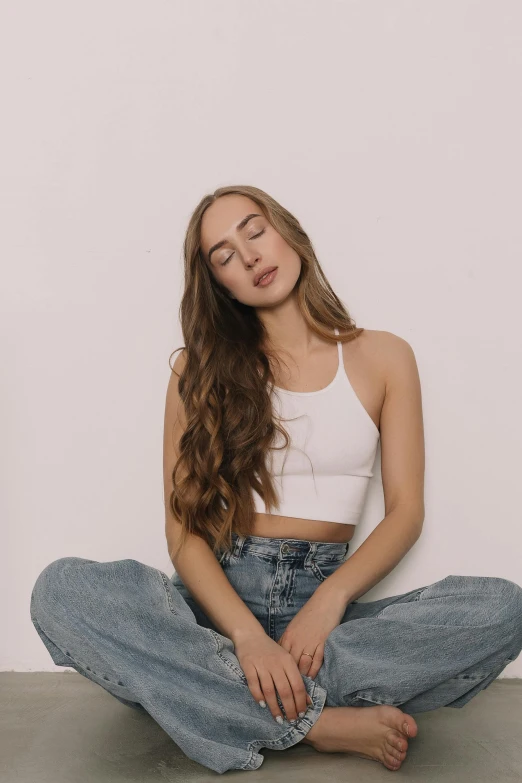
[(262, 272)]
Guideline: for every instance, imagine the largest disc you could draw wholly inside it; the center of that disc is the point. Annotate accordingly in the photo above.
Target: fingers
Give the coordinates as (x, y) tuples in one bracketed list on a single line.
[(252, 677), (307, 664), (292, 693), (299, 691), (269, 692), (288, 684), (317, 661), (304, 663), (286, 694)]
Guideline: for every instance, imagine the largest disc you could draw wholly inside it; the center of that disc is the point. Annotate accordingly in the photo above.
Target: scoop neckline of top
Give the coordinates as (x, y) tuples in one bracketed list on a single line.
[(340, 368)]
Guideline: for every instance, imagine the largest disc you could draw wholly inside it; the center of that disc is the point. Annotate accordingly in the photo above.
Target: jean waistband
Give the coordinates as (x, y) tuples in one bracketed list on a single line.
[(288, 548)]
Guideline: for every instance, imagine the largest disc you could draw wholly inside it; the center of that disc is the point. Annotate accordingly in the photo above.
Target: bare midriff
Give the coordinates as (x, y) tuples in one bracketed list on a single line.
[(363, 365), (275, 526)]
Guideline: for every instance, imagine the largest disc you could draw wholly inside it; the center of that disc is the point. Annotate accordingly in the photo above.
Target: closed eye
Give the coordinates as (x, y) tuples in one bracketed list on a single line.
[(254, 236)]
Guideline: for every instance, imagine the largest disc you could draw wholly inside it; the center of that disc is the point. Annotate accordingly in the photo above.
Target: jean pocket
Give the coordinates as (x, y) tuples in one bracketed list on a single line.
[(322, 569)]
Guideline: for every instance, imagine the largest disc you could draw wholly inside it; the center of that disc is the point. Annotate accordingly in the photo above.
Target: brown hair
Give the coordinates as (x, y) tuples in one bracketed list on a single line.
[(226, 382)]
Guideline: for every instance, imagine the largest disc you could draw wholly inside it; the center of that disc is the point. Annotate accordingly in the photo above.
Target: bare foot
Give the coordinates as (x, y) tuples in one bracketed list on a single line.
[(376, 733)]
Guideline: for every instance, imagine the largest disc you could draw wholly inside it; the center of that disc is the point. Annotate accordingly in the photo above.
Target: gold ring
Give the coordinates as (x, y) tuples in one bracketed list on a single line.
[(304, 653)]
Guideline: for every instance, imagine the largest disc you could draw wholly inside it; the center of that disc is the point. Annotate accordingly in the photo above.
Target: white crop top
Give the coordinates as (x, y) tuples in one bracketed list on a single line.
[(336, 437)]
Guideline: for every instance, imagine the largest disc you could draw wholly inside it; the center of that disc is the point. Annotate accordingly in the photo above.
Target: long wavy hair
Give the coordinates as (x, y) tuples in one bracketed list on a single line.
[(226, 383)]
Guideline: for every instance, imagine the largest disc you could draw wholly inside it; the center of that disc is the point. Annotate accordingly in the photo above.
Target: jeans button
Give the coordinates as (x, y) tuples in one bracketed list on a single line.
[(285, 549)]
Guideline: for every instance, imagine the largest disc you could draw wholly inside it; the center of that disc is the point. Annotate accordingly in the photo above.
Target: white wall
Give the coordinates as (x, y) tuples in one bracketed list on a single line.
[(391, 129)]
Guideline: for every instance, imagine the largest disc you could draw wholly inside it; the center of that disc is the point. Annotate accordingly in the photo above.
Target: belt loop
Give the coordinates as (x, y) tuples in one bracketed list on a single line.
[(312, 549), (238, 545)]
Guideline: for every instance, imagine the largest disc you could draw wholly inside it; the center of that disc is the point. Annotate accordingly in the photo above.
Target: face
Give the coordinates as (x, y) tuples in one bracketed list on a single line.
[(240, 246)]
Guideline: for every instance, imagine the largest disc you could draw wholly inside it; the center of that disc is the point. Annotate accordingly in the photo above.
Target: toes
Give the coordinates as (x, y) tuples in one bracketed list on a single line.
[(401, 721), (397, 741), (390, 761), (412, 726), (396, 754)]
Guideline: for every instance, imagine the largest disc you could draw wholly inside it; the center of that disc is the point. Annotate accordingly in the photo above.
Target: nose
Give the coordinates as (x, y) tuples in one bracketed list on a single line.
[(251, 258)]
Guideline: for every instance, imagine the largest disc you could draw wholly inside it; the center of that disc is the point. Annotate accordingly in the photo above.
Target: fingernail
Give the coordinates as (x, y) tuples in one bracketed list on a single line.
[(262, 703), (301, 714), (279, 719), (406, 729)]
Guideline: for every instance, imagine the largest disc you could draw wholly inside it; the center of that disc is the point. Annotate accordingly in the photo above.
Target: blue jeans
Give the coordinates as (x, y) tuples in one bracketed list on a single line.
[(140, 635)]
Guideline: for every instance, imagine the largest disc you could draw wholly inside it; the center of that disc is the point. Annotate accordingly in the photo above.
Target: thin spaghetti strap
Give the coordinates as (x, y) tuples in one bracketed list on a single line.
[(339, 348)]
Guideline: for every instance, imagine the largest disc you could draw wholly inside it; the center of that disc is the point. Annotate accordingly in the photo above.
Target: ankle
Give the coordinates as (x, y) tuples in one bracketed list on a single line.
[(311, 736)]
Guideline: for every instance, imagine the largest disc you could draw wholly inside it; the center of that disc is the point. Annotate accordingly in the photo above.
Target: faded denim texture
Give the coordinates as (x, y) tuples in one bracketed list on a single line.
[(141, 636)]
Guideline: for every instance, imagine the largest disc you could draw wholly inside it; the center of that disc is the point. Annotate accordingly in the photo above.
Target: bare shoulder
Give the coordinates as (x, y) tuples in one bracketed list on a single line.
[(396, 357), (173, 405), (180, 362), (388, 354), (380, 341)]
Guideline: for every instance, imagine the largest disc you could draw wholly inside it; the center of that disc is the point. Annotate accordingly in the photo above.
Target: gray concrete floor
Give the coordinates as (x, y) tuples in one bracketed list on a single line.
[(62, 728)]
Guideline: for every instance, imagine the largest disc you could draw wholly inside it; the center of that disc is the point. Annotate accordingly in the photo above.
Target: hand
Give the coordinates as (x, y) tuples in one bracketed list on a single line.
[(265, 665), (309, 629)]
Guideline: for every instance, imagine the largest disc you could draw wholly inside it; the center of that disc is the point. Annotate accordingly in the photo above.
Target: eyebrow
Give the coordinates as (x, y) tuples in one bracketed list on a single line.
[(240, 225)]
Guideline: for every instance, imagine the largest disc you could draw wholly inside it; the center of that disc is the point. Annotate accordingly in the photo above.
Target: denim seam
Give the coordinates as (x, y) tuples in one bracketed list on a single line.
[(164, 581), (271, 617), (254, 761), (315, 566), (471, 676), (482, 676), (317, 571), (416, 597), (38, 625), (368, 696), (75, 663), (237, 670)]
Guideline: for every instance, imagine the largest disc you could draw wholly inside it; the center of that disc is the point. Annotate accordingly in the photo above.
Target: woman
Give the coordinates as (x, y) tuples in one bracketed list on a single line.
[(258, 639)]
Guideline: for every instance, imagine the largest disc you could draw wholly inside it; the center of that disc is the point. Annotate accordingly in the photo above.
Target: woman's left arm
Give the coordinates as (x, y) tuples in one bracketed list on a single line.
[(402, 466)]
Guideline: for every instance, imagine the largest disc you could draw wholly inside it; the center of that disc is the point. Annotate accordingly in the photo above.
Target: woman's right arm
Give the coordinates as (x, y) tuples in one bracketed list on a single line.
[(207, 583)]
